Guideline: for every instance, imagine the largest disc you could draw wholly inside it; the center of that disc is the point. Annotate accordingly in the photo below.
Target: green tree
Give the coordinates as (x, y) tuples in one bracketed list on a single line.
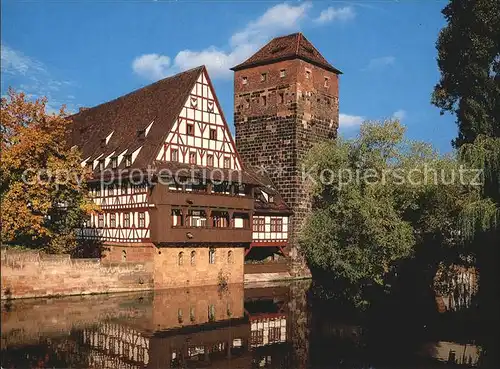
[(43, 196), (469, 61), (378, 199)]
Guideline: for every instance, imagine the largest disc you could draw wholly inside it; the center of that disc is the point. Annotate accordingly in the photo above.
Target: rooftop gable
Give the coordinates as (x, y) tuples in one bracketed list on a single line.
[(136, 123)]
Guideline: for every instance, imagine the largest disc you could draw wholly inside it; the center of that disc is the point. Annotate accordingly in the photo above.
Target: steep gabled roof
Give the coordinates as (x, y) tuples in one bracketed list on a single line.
[(128, 117), (294, 46)]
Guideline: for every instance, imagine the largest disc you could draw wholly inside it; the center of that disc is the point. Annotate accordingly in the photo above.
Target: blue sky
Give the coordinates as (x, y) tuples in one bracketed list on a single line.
[(83, 53)]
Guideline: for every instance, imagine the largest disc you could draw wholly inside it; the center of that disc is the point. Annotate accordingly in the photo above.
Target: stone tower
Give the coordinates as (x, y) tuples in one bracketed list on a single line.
[(285, 100)]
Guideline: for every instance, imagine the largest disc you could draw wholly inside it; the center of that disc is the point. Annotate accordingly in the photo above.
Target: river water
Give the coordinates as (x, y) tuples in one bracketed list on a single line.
[(284, 326)]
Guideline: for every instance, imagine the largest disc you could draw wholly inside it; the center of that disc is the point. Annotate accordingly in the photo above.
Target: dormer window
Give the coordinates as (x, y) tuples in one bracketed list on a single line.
[(128, 160), (271, 199), (114, 162), (141, 133), (244, 80), (263, 77), (101, 164), (105, 141), (283, 73)]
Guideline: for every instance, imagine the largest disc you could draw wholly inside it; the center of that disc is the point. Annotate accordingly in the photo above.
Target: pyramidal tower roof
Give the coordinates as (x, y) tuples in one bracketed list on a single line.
[(294, 46)]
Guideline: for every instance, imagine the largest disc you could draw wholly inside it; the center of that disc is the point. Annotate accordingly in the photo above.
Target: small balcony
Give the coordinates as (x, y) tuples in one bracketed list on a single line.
[(186, 225)]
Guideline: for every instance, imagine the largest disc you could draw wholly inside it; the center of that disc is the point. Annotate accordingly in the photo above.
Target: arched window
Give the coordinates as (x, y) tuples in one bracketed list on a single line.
[(229, 257), (193, 257), (181, 258), (211, 313), (211, 256)]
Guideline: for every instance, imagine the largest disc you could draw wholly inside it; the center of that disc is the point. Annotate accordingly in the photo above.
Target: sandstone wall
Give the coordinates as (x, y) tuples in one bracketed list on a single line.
[(169, 274), (31, 274)]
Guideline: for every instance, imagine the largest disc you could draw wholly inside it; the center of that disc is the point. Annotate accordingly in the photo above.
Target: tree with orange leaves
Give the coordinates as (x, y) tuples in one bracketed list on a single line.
[(43, 194)]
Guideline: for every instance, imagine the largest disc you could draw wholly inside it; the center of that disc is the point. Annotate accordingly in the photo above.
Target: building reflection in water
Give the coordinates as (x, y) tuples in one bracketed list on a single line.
[(198, 327), (182, 328)]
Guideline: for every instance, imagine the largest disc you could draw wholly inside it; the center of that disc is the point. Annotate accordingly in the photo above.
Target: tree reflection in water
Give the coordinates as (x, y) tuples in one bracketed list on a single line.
[(285, 326)]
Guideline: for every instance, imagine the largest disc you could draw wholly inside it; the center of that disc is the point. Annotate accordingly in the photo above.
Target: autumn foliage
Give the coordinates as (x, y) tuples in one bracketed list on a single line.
[(43, 196)]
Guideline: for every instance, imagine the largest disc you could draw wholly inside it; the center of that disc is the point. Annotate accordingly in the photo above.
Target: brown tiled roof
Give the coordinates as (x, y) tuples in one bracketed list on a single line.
[(294, 46), (278, 205), (160, 102)]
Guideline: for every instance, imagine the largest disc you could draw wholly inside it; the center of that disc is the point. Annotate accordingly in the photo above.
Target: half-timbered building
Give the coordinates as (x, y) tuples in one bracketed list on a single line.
[(171, 184)]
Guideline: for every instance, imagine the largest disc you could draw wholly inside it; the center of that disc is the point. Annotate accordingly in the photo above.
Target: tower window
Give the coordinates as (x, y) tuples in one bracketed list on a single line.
[(264, 100), (247, 102), (308, 74), (263, 77), (281, 97), (282, 73), (244, 80), (327, 81)]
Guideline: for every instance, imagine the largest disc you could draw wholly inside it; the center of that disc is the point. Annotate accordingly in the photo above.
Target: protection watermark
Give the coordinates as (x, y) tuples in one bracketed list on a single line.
[(338, 178)]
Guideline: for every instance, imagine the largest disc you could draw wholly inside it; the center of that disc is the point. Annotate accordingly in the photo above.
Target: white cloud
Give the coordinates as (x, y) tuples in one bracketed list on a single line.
[(31, 76), (277, 20), (331, 14), (399, 114), (380, 62), (151, 66), (350, 121), (15, 62)]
